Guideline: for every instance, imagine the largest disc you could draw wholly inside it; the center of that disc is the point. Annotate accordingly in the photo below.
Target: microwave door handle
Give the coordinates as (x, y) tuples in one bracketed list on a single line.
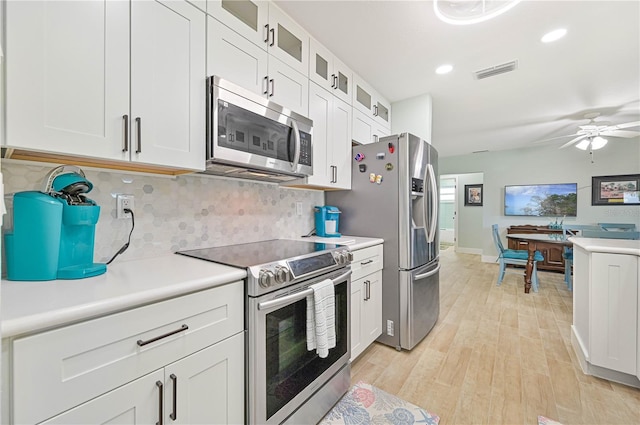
[(296, 155), (290, 299)]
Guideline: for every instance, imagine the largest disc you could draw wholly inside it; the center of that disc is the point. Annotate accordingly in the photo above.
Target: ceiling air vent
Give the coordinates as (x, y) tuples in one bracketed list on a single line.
[(496, 70)]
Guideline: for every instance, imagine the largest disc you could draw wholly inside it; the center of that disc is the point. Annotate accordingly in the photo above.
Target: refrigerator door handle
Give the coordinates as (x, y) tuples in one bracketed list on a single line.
[(433, 224), (427, 274)]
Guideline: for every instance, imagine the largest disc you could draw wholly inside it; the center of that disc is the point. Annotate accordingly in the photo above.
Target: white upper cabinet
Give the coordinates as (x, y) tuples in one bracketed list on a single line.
[(233, 57), (248, 18), (369, 102), (70, 81), (168, 95), (287, 87), (267, 65), (67, 88), (365, 129), (288, 41), (265, 25), (331, 139), (329, 72)]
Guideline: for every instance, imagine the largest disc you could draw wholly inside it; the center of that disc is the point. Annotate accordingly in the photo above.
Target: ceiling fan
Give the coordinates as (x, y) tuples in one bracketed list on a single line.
[(590, 136)]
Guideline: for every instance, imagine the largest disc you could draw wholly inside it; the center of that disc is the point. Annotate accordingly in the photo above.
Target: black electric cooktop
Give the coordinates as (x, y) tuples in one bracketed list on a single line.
[(257, 253)]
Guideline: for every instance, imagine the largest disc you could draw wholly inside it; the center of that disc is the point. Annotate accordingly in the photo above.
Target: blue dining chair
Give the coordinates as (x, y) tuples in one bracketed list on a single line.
[(516, 257), (567, 254)]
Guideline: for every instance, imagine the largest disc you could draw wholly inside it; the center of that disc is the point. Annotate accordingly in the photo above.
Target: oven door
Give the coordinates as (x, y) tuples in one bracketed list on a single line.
[(283, 374)]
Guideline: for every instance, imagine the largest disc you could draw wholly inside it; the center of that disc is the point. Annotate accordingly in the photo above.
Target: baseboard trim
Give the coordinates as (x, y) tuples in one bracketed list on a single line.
[(600, 372), (490, 259), (475, 251)]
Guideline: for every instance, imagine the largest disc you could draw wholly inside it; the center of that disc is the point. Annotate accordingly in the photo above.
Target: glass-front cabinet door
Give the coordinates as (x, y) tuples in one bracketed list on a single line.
[(362, 96), (329, 72), (246, 17), (288, 41), (370, 103), (381, 112)]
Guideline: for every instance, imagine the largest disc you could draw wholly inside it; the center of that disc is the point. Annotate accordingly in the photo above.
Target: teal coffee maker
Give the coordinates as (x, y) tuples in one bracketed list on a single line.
[(53, 230)]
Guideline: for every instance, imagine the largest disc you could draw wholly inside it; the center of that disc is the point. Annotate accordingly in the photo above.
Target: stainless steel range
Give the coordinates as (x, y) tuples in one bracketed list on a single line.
[(287, 383)]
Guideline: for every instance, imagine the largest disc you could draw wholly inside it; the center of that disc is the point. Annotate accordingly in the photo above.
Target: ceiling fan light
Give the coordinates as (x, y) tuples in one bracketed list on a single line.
[(584, 144), (598, 142), (460, 12)]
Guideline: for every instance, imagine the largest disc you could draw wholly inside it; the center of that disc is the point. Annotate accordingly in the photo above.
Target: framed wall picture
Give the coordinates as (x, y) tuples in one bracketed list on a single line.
[(472, 195), (615, 190)]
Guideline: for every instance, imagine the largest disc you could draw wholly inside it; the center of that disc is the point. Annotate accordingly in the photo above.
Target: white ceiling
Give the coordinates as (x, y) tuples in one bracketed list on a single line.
[(396, 46)]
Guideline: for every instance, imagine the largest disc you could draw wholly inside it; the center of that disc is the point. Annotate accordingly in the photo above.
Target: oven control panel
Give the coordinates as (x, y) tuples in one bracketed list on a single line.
[(284, 273), (277, 275)]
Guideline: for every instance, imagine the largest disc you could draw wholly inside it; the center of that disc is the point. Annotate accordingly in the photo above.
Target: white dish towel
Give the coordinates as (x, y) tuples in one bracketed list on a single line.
[(321, 318)]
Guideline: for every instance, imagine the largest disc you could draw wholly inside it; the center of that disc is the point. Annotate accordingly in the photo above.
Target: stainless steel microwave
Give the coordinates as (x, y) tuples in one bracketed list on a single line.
[(250, 137)]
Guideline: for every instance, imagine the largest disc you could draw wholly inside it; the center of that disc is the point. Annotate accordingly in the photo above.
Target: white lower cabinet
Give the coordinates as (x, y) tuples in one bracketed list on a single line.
[(134, 403), (366, 298), (614, 311), (204, 388), (180, 359)]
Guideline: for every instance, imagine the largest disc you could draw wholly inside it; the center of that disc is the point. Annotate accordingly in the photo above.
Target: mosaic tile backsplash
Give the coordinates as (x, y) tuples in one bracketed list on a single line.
[(184, 212)]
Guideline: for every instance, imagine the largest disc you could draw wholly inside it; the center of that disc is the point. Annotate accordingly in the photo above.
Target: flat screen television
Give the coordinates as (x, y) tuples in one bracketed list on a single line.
[(541, 200)]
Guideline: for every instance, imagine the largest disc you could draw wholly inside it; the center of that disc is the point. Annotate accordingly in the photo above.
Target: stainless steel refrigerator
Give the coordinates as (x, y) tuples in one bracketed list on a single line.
[(394, 196)]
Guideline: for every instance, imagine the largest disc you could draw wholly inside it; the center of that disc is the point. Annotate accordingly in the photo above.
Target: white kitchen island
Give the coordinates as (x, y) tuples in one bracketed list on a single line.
[(606, 315)]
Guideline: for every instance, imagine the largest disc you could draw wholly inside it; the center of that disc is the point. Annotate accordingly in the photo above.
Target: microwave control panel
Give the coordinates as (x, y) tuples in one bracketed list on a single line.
[(305, 148)]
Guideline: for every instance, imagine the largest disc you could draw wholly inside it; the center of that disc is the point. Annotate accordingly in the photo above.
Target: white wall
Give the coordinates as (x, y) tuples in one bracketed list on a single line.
[(545, 164), (469, 217), (413, 116)]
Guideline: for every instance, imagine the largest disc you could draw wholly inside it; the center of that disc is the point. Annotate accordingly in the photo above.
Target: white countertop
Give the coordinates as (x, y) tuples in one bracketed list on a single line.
[(353, 242), (34, 306), (613, 246)]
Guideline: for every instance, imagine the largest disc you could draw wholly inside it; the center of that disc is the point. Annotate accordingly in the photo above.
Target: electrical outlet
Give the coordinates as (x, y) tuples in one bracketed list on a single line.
[(390, 327), (298, 208), (123, 201)]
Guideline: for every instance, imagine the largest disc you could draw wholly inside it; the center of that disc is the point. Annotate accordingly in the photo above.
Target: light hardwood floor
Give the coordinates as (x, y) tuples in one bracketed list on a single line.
[(498, 356)]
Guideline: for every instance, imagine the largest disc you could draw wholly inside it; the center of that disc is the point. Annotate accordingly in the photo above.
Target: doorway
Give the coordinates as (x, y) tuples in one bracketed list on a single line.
[(448, 210)]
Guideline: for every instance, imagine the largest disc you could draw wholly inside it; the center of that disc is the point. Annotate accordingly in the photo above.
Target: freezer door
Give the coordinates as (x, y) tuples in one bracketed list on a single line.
[(419, 303)]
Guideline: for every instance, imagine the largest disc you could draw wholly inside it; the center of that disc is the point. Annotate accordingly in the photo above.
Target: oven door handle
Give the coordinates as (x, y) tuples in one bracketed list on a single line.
[(289, 299)]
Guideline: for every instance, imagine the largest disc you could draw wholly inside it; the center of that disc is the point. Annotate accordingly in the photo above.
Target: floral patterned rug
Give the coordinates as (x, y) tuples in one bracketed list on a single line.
[(366, 404), (543, 420)]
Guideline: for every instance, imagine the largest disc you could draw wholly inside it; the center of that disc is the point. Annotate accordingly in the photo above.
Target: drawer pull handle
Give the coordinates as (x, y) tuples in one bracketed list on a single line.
[(160, 406), (364, 263), (174, 415), (149, 341)]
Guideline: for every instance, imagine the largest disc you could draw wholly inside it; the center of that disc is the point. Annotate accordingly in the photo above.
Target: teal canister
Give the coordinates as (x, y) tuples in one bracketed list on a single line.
[(32, 247)]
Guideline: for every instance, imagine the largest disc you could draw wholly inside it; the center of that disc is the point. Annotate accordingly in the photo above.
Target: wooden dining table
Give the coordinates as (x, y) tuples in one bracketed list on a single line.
[(532, 239)]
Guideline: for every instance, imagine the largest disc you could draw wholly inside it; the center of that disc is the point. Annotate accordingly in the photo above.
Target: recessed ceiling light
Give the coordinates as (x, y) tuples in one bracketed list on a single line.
[(444, 69), (554, 35)]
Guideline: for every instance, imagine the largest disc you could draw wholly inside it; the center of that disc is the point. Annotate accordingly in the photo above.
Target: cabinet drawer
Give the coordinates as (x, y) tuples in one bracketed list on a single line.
[(366, 261), (56, 370)]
